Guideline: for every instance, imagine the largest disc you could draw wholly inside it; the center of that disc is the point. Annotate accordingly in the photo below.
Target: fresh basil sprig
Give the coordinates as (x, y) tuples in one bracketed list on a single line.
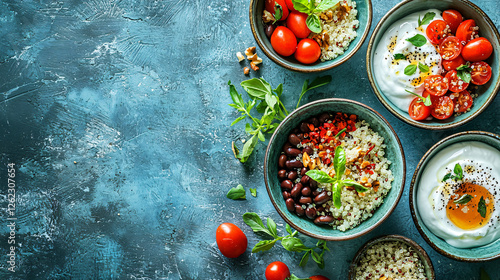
[(290, 242), (309, 7), (423, 68), (427, 18), (427, 100), (236, 193), (417, 40), (458, 173), (410, 69), (339, 162), (464, 73), (464, 199), (399, 56), (318, 82), (481, 207)]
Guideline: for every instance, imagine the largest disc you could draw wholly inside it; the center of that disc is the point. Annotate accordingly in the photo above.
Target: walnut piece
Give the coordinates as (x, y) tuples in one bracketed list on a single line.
[(254, 67), (246, 70), (322, 39), (250, 51), (267, 17), (240, 56)]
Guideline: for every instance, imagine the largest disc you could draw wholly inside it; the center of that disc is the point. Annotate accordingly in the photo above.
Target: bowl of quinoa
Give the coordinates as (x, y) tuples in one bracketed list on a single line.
[(374, 161), (391, 257)]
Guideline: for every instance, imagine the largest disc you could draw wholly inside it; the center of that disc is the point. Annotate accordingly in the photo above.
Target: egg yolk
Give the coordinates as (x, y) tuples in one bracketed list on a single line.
[(466, 216)]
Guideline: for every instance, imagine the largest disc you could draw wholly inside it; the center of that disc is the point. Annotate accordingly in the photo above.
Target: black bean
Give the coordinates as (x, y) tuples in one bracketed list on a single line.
[(322, 197), (286, 146), (290, 204), (308, 150), (287, 184), (305, 200), (306, 191), (305, 180), (314, 121), (313, 184), (304, 127), (282, 161), (292, 175), (294, 140), (282, 174), (303, 171), (286, 195), (323, 220), (292, 152), (296, 190), (269, 30), (311, 213), (293, 164), (299, 210)]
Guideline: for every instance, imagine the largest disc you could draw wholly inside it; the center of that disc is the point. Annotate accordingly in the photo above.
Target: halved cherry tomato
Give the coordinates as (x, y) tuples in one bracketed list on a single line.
[(283, 41), (450, 48), (463, 101), (318, 277), (271, 7), (231, 240), (453, 18), (477, 50), (433, 97), (297, 23), (308, 51), (481, 73), (454, 63), (277, 271), (290, 6), (466, 31), (455, 83), (436, 85), (417, 110), (443, 108), (436, 31)]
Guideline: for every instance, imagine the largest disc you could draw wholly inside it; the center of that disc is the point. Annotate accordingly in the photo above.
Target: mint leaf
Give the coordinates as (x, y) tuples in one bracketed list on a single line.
[(459, 173), (423, 68), (481, 207), (399, 56), (417, 40), (253, 220), (427, 18), (410, 69), (464, 199), (253, 192), (320, 176), (263, 245), (236, 193), (313, 23)]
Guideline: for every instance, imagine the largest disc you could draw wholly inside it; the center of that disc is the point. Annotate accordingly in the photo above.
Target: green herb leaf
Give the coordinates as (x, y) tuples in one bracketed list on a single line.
[(484, 275), (399, 56), (253, 192), (235, 96), (256, 88), (301, 6), (271, 225), (417, 40), (305, 259), (423, 68), (263, 245), (359, 188), (340, 132), (261, 136), (320, 176), (427, 18), (336, 193), (427, 101), (481, 207), (248, 149), (339, 162), (253, 220), (447, 176), (278, 12), (318, 82), (318, 259), (464, 73), (288, 229), (236, 193), (464, 67), (279, 90), (459, 173), (464, 199), (325, 5), (314, 23), (238, 119), (410, 69), (293, 244)]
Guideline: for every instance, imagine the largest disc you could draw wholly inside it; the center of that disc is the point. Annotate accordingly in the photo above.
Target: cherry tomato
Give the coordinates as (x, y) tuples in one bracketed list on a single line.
[(232, 242), (453, 18), (466, 31), (433, 97), (277, 271), (290, 6), (297, 23), (443, 108), (454, 63), (436, 85), (308, 51), (477, 50), (418, 111), (318, 277), (436, 31), (450, 48), (456, 84), (481, 73), (283, 41), (271, 7), (463, 101)]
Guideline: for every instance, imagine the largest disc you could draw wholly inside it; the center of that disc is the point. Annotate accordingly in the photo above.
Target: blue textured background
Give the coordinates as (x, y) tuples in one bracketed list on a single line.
[(115, 115)]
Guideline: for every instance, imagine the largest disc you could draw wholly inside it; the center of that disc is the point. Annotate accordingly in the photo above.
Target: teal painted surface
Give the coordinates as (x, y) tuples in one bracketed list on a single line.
[(115, 115)]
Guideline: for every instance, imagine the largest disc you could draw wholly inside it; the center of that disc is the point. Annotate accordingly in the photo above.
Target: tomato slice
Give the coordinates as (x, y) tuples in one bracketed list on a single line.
[(450, 48), (456, 84), (481, 73), (454, 63), (467, 30), (477, 49), (436, 85), (453, 18), (463, 101), (442, 108), (436, 31), (418, 111)]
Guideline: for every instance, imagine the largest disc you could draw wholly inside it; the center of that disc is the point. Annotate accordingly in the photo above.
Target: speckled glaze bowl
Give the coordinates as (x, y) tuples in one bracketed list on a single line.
[(487, 29), (364, 8), (394, 152), (482, 253), (426, 261)]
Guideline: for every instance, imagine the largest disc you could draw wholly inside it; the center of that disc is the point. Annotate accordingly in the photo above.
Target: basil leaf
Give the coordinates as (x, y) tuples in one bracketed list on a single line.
[(417, 40), (288, 229), (320, 176), (314, 23), (340, 132), (271, 100), (410, 69), (293, 244), (464, 67), (423, 68), (305, 259), (271, 225), (256, 88), (427, 18), (359, 188), (336, 192), (263, 245), (484, 275), (235, 96), (238, 119), (481, 207), (301, 6), (464, 199), (236, 193), (253, 220), (318, 259), (279, 90), (278, 12), (253, 192), (447, 176), (459, 173), (339, 162), (399, 56), (248, 149), (464, 75), (325, 5), (427, 101), (318, 82)]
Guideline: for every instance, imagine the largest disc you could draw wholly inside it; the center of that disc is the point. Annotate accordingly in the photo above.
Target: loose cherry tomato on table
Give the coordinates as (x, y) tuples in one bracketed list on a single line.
[(454, 63), (436, 31), (283, 41), (450, 48), (418, 111), (318, 277), (308, 51), (290, 6), (477, 50), (453, 18), (456, 84), (466, 31), (442, 108), (436, 85), (277, 271), (463, 101), (271, 7), (232, 242), (481, 73), (297, 23)]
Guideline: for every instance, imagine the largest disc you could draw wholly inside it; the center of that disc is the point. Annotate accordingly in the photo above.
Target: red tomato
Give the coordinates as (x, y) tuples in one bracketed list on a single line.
[(443, 108), (436, 31), (308, 51), (232, 242), (450, 48), (318, 277), (271, 7), (466, 31), (433, 97), (477, 50), (436, 85), (290, 6), (417, 110), (456, 84), (454, 63), (277, 271), (453, 18), (481, 73), (463, 101), (283, 41), (297, 23)]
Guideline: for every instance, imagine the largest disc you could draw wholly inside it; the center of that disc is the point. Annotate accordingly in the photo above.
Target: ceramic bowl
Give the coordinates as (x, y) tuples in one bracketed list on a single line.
[(487, 29), (394, 152), (426, 261), (482, 253), (364, 8)]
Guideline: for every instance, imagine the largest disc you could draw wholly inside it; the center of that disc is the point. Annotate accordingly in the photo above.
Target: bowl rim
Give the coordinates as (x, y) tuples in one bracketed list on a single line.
[(390, 108), (333, 238), (391, 237), (312, 69), (412, 196)]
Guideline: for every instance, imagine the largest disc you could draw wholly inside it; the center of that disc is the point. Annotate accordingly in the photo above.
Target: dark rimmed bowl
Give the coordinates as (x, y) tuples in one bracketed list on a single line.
[(364, 8), (394, 152), (487, 29), (482, 253), (426, 261)]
